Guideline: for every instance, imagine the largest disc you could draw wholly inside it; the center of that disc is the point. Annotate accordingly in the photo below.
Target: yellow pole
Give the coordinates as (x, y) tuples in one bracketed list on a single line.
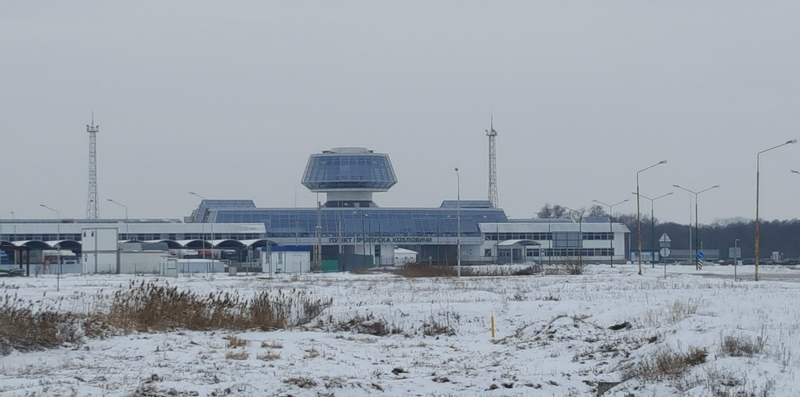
[(492, 325)]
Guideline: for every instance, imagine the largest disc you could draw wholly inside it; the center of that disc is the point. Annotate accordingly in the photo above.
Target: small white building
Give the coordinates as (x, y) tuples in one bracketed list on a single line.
[(100, 250), (286, 259), (404, 256)]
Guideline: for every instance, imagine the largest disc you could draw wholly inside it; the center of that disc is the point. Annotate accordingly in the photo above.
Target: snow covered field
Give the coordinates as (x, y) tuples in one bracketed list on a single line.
[(552, 337)]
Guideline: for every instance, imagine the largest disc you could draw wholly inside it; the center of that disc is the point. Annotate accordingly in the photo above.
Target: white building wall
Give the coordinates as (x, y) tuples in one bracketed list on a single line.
[(142, 262), (291, 261), (100, 252)]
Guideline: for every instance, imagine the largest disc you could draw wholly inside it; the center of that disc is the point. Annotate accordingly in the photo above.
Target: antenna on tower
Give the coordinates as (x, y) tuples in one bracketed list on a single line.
[(492, 134), (92, 203)]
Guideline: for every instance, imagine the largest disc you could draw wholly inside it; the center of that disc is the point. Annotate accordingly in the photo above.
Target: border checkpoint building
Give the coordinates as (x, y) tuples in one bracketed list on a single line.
[(349, 229)]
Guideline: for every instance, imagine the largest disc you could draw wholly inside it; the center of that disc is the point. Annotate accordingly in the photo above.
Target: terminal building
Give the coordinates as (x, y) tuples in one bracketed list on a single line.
[(350, 226)]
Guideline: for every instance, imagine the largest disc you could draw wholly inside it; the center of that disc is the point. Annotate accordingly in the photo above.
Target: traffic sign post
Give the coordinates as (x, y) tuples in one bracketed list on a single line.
[(664, 242), (700, 257)]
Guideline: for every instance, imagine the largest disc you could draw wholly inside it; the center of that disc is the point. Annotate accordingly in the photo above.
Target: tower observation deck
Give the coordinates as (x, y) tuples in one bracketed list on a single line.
[(349, 176)]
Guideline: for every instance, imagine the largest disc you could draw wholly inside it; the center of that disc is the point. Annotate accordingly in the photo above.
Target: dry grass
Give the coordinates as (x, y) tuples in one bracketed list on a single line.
[(150, 306), (312, 353), (742, 346), (269, 356), (235, 341), (413, 270), (24, 328), (665, 364), (301, 382), (271, 345), (422, 269), (240, 355)]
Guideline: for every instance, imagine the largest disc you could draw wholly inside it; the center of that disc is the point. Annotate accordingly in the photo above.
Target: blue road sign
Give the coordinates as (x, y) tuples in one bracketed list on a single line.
[(700, 255)]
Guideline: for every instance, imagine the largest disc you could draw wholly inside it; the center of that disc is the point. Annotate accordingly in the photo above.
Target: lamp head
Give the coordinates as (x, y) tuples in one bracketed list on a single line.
[(792, 141), (796, 172), (676, 186), (456, 169), (715, 186), (662, 162)]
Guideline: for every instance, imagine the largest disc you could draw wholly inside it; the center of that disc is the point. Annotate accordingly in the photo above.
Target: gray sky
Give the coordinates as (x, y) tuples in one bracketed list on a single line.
[(228, 99)]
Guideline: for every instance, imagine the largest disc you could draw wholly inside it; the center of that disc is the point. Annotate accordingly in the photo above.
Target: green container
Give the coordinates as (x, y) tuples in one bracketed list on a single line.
[(330, 265)]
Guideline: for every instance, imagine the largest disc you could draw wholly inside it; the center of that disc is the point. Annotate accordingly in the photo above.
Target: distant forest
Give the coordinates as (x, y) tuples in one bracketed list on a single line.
[(777, 235)]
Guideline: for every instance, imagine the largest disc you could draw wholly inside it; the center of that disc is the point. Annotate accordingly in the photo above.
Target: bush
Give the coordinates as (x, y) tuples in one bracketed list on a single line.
[(571, 266), (423, 270)]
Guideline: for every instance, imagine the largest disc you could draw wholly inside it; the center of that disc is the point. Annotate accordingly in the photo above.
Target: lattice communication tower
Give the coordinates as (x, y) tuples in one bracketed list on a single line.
[(492, 134), (92, 204)]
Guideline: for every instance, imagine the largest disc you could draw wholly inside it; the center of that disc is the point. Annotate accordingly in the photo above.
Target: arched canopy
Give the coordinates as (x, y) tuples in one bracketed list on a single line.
[(258, 243), (201, 244), (172, 244), (68, 245), (508, 243), (229, 244), (35, 244)]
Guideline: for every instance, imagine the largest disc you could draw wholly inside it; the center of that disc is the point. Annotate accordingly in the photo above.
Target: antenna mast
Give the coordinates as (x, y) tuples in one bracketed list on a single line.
[(92, 204), (492, 134)]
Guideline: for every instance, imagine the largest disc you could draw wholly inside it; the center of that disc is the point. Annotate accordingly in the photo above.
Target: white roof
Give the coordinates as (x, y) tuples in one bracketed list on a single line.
[(405, 251), (544, 227)]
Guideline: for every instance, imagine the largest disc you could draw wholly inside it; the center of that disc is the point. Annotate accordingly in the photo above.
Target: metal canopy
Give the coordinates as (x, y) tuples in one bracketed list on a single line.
[(508, 243)]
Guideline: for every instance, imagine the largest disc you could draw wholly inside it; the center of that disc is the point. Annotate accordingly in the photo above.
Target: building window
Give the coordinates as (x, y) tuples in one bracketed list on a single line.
[(487, 252)]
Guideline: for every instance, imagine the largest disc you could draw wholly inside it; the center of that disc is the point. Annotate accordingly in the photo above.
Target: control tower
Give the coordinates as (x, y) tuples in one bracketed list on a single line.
[(349, 176)]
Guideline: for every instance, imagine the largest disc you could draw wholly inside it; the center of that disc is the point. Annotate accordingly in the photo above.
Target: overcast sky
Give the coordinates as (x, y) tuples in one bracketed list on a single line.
[(228, 99)]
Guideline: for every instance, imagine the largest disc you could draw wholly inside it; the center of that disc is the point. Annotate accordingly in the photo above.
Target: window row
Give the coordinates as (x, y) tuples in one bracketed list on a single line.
[(560, 252)]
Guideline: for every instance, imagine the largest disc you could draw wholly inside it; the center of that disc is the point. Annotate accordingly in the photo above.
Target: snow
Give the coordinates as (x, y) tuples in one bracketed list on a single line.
[(552, 336)]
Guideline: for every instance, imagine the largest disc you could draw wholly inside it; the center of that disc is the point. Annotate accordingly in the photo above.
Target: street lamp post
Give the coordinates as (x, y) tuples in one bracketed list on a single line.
[(639, 213), (58, 245), (735, 260), (653, 224), (126, 215), (211, 239), (458, 222), (696, 222), (580, 233), (610, 227), (758, 177)]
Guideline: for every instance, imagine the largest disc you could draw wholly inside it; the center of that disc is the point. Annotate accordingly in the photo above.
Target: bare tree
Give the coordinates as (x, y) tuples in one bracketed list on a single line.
[(597, 211), (546, 212)]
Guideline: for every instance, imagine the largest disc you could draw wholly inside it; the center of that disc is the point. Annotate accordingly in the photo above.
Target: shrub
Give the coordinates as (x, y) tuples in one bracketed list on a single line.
[(424, 270), (741, 345), (571, 266)]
